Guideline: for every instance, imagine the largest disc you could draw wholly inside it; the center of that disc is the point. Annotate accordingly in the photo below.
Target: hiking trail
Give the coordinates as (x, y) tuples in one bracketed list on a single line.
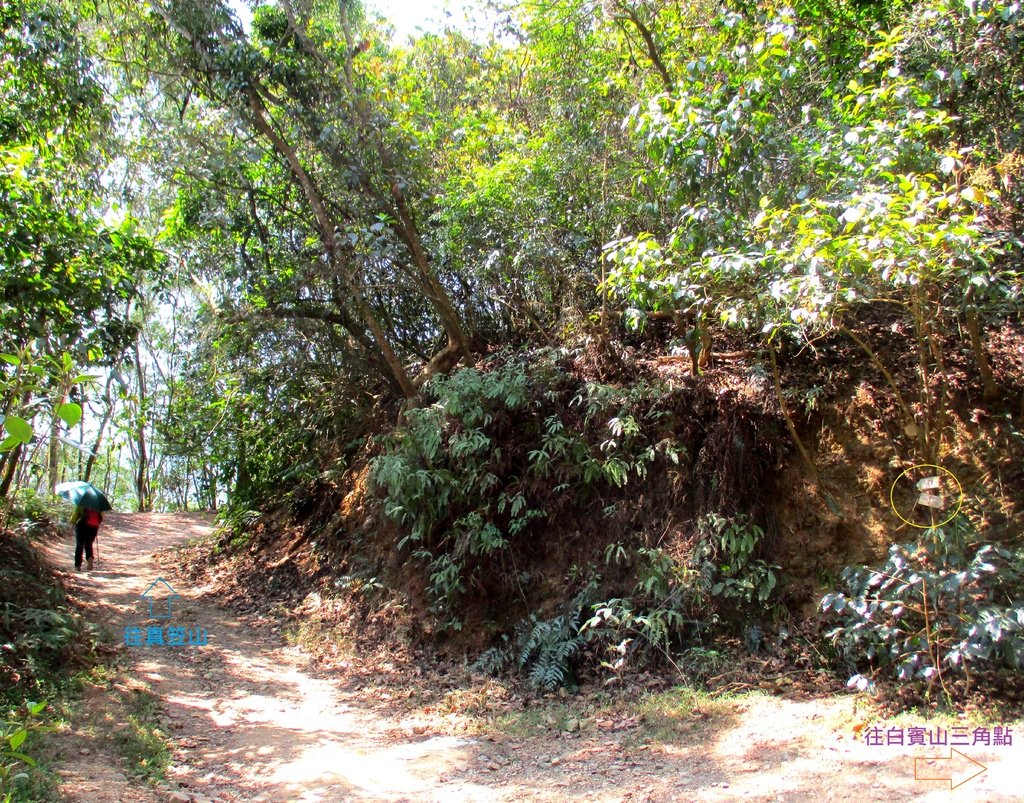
[(250, 721)]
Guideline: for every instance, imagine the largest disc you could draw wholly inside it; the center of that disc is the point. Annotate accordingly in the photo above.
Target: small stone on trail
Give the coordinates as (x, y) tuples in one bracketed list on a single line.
[(179, 797)]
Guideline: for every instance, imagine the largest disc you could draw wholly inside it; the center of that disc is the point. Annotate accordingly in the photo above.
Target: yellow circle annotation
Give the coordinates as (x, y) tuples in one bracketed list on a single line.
[(959, 502)]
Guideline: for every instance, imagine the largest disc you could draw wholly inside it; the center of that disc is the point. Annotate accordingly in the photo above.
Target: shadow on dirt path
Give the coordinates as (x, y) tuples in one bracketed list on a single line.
[(250, 722), (247, 721)]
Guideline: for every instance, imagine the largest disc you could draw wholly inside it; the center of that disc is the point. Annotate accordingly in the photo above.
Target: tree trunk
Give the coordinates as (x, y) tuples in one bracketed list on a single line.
[(327, 227), (106, 474), (242, 477), (406, 229), (11, 467), (988, 382), (107, 412), (211, 487), (53, 449), (142, 490), (404, 226), (263, 123)]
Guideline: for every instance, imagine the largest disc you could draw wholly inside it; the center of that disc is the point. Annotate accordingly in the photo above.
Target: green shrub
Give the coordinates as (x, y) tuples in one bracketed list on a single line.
[(464, 477), (721, 583), (655, 617), (40, 638), (673, 604), (15, 765), (31, 509), (935, 608), (440, 475), (725, 559)]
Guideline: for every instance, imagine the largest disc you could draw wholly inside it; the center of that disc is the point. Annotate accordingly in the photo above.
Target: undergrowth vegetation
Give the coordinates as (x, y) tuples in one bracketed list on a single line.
[(41, 637), (43, 644), (938, 610), (142, 742), (599, 348), (18, 729), (512, 467)]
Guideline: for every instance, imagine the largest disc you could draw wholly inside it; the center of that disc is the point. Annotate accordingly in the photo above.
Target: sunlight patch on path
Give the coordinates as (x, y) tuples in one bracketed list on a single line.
[(404, 769)]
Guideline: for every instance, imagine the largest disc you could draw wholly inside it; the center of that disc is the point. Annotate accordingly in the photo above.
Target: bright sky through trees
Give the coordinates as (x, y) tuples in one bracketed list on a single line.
[(409, 17), (413, 17)]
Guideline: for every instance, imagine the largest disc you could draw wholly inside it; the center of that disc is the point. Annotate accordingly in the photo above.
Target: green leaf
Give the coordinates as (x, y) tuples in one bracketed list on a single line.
[(18, 428), (10, 359), (23, 758), (17, 738), (9, 443), (70, 413)]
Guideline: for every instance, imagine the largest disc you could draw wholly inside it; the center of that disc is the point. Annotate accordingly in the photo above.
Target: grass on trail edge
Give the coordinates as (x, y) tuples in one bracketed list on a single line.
[(141, 740), (662, 717)]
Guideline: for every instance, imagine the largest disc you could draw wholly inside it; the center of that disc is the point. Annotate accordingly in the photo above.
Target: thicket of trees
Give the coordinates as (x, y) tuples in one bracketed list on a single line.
[(238, 260), (239, 246)]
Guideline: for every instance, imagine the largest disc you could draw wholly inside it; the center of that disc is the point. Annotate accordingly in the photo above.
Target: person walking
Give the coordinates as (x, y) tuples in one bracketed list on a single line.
[(87, 526)]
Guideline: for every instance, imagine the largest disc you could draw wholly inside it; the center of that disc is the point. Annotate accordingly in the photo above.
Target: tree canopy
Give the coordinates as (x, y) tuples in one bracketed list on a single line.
[(267, 235)]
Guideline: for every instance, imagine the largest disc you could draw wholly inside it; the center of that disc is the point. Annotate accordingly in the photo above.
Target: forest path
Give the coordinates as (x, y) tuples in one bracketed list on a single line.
[(247, 721), (251, 722)]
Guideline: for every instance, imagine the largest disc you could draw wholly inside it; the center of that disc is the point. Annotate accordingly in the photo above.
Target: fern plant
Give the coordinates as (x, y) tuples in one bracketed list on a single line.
[(545, 649)]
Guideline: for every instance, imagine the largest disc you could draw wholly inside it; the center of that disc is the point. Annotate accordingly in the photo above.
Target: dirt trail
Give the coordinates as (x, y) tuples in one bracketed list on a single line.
[(250, 722)]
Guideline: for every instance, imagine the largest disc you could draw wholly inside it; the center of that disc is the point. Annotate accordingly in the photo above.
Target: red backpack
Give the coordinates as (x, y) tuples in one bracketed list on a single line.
[(92, 518)]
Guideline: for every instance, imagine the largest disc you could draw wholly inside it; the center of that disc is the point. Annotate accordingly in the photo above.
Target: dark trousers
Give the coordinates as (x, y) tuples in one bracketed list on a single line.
[(84, 536)]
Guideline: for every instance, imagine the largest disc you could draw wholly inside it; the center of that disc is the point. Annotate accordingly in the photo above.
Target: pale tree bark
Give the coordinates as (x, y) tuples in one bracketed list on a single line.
[(108, 409), (142, 488)]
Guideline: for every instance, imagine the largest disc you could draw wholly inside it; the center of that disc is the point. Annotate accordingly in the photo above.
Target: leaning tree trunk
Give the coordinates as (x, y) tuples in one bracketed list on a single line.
[(10, 469), (107, 412), (142, 489), (326, 227)]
